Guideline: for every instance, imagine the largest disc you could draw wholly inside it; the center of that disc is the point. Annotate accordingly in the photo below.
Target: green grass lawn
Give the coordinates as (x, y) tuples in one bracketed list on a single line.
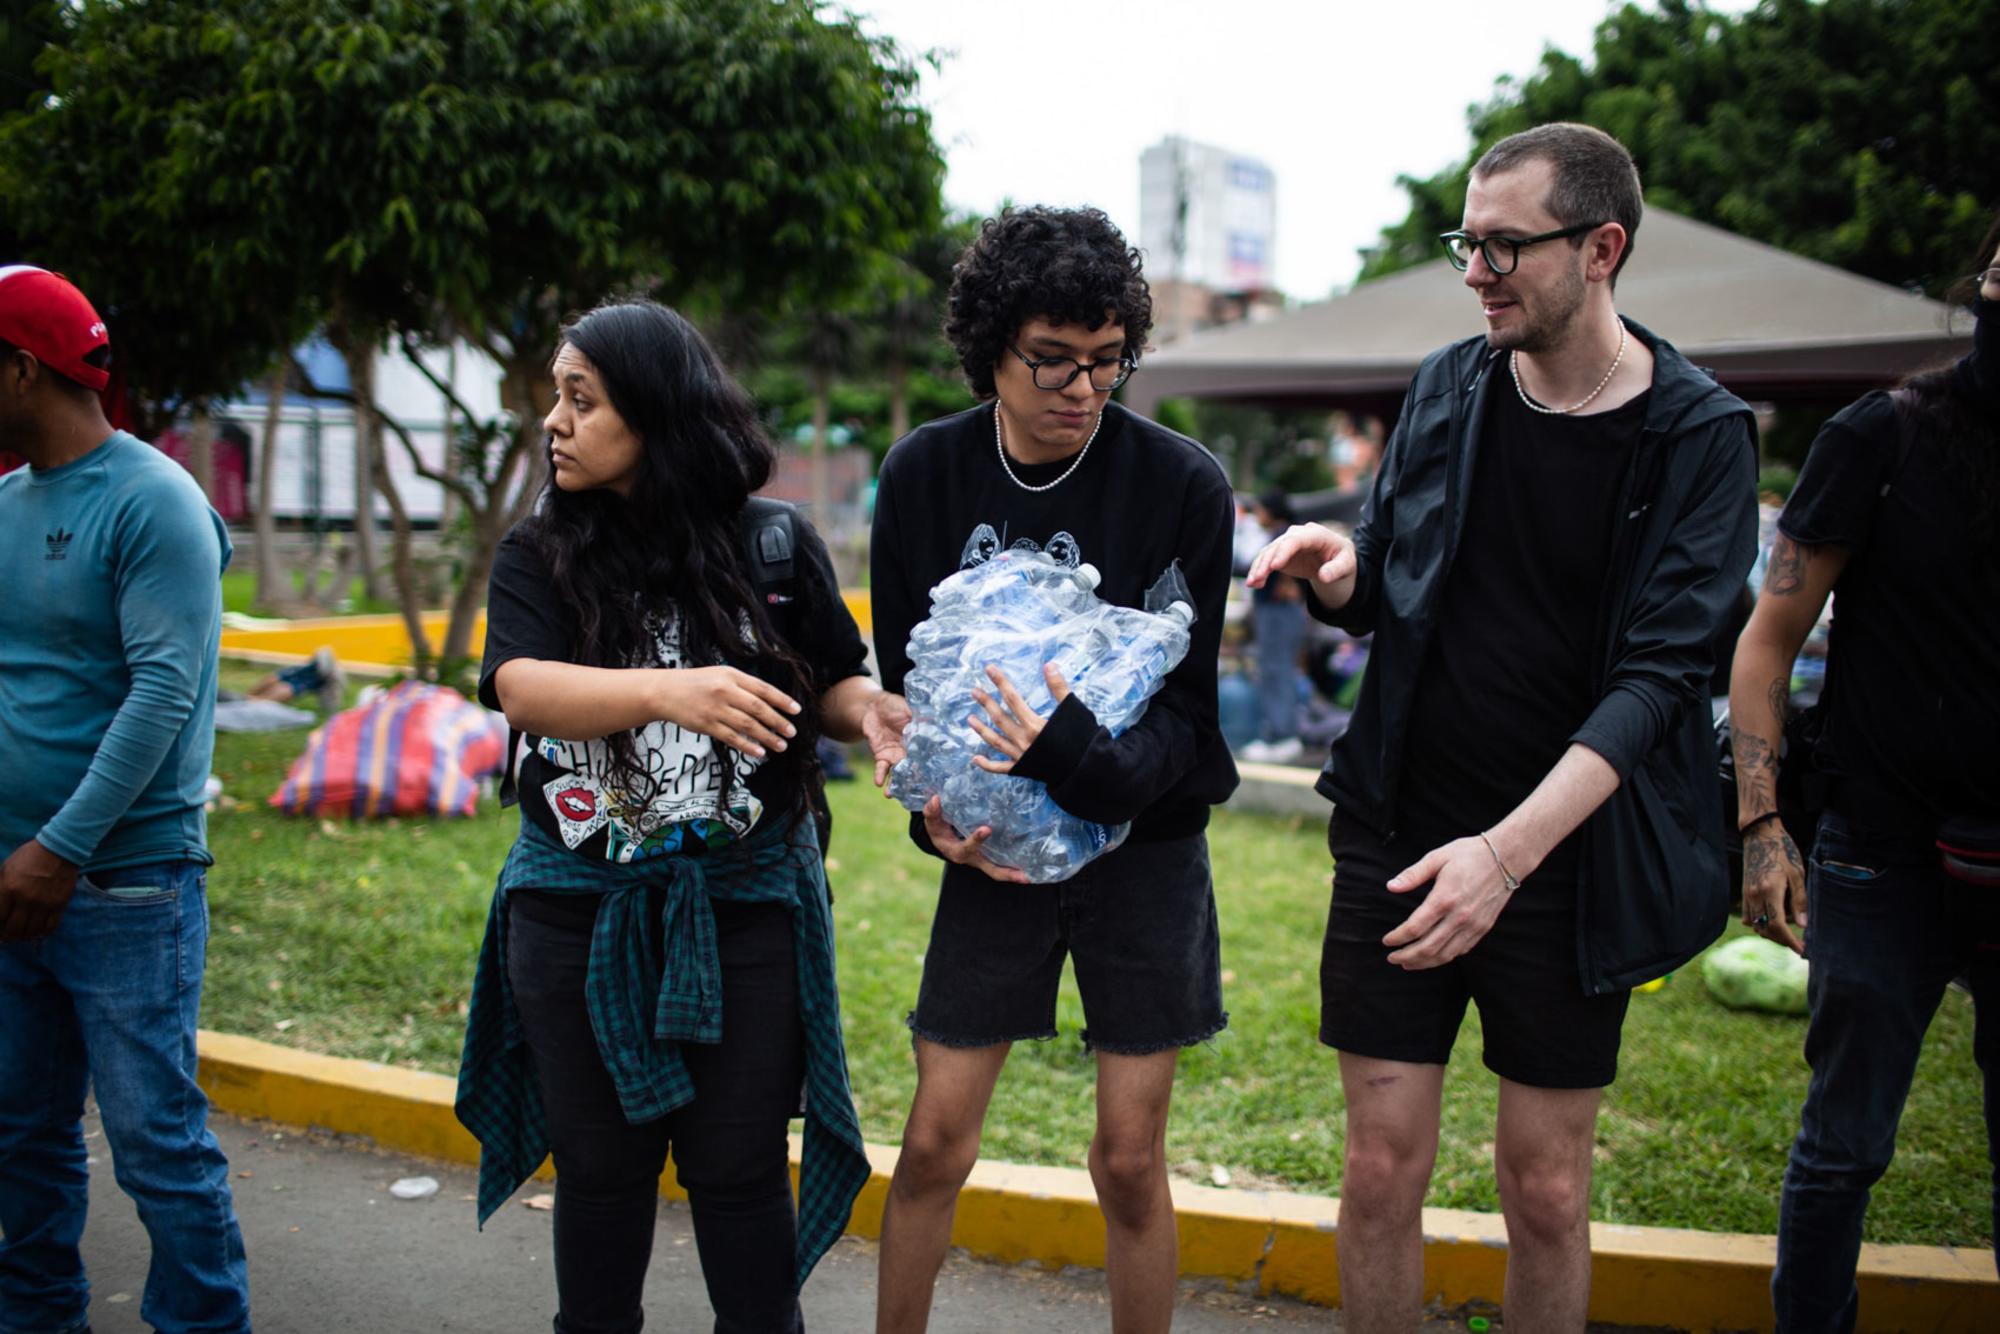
[(359, 940), (239, 593)]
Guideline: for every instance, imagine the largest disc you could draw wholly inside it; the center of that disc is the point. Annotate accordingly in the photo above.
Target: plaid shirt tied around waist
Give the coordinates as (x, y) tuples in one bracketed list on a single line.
[(655, 982)]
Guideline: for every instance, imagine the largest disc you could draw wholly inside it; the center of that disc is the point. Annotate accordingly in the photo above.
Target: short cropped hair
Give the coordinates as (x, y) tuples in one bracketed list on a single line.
[(99, 357), (1067, 265), (1596, 180)]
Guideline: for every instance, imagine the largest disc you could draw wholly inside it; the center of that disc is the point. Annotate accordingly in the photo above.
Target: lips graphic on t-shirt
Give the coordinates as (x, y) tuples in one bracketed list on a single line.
[(576, 803)]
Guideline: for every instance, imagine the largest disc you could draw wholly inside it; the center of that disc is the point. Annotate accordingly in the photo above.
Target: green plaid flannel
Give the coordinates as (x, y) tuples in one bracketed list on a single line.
[(672, 961)]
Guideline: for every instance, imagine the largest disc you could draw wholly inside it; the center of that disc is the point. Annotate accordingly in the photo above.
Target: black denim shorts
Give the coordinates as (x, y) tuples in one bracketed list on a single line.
[(1540, 1029), (1140, 924)]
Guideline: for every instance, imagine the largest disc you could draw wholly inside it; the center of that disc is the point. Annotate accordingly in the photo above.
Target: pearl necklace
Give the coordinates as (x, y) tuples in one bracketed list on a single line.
[(1514, 365), (1001, 449)]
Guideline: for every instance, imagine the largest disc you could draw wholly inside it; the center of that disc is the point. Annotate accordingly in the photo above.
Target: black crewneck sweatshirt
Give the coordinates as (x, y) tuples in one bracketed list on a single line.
[(1142, 498)]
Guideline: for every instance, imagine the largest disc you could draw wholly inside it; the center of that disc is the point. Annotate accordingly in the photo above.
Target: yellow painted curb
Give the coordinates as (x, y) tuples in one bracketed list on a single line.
[(1283, 1243), (383, 641)]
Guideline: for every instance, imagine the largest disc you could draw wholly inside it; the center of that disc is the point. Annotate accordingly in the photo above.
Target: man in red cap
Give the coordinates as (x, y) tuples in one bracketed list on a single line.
[(113, 564)]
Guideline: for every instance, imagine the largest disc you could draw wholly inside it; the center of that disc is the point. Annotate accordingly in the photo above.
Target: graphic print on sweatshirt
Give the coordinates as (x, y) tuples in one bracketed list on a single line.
[(679, 807), (985, 544)]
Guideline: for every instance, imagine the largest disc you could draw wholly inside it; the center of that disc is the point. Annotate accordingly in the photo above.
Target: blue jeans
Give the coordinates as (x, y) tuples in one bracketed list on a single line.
[(110, 1000), (1886, 932), (1280, 630)]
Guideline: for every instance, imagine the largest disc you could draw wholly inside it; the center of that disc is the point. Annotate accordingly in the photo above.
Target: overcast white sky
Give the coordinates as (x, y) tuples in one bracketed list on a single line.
[(1052, 103)]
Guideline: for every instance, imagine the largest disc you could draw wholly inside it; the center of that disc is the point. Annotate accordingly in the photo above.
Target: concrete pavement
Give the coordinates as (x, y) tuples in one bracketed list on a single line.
[(332, 1252)]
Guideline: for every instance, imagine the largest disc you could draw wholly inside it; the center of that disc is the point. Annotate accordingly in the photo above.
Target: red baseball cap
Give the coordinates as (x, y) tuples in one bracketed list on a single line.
[(43, 313)]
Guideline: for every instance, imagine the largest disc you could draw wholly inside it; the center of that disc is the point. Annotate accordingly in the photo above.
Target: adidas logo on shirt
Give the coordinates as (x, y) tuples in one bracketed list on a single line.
[(58, 544)]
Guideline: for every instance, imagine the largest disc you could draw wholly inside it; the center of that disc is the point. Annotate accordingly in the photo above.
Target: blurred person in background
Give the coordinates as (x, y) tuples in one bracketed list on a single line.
[(1278, 628)]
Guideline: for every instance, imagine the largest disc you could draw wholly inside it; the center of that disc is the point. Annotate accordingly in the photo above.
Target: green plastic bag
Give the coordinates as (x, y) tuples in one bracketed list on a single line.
[(1752, 973)]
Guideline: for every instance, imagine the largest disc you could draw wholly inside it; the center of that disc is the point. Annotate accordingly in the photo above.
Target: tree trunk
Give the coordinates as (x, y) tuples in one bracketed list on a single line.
[(899, 395), (409, 597), (269, 593), (822, 392), (360, 354), (508, 497), (201, 448)]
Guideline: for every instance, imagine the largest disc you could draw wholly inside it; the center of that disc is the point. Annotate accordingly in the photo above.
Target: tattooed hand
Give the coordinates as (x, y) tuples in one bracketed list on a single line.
[(1774, 884)]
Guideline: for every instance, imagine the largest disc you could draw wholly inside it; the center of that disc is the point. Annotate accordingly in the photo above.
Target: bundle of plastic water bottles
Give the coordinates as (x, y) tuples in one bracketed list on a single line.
[(1017, 612)]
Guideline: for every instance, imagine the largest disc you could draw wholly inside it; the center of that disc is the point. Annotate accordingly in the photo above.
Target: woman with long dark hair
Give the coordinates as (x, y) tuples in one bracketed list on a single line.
[(658, 965), (1897, 515)]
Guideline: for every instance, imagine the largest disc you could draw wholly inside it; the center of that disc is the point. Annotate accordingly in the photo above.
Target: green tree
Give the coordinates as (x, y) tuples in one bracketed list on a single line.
[(481, 169), (1864, 133)]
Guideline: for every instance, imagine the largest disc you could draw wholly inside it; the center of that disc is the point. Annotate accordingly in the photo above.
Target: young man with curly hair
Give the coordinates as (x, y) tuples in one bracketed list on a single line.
[(1048, 313)]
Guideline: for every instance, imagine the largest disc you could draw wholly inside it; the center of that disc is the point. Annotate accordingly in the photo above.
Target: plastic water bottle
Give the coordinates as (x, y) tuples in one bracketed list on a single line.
[(1018, 612)]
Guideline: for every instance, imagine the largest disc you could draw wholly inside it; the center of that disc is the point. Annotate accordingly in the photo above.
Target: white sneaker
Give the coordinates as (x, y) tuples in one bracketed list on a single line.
[(1284, 752), (1256, 752)]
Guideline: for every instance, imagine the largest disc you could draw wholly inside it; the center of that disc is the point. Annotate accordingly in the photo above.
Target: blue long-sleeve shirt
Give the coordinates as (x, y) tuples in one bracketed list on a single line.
[(110, 615)]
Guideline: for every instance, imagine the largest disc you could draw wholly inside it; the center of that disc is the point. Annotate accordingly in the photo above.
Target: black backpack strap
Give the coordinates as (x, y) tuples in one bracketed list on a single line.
[(770, 536)]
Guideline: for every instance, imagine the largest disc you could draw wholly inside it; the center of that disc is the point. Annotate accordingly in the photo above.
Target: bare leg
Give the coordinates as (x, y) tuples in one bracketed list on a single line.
[(1128, 1164), (1542, 1159), (940, 1145), (270, 688), (1392, 1139)]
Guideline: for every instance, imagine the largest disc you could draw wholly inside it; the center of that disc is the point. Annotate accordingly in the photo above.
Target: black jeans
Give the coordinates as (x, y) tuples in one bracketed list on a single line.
[(1887, 932), (728, 1144)]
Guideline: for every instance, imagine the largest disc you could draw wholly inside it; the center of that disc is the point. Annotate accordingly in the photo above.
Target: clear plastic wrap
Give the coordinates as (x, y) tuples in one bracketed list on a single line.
[(1016, 612)]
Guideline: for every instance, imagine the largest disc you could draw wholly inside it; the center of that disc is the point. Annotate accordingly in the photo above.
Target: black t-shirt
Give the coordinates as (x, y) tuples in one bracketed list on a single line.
[(1509, 676), (567, 787), (1913, 666)]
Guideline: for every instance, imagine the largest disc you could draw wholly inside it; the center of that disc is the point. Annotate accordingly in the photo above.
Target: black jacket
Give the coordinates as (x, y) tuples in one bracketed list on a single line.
[(1653, 890)]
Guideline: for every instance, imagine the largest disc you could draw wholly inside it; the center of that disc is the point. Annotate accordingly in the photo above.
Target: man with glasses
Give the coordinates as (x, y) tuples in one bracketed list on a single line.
[(1526, 804), (1048, 313)]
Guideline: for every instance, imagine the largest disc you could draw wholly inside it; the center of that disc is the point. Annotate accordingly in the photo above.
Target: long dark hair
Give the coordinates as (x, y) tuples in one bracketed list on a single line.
[(673, 543), (1961, 418)]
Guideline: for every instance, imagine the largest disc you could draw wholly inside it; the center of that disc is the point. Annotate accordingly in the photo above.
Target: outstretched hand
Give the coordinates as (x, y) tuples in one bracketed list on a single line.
[(882, 727), (1304, 551)]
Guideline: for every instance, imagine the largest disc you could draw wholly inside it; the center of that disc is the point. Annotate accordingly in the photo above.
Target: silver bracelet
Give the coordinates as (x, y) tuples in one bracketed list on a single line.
[(1507, 877)]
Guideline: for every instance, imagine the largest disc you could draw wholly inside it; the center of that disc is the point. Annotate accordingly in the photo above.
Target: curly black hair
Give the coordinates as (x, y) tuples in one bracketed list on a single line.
[(1067, 265)]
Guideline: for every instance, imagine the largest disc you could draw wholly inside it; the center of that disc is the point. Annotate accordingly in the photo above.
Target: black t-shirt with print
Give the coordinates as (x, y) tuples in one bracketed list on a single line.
[(566, 787), (1141, 499), (1509, 676)]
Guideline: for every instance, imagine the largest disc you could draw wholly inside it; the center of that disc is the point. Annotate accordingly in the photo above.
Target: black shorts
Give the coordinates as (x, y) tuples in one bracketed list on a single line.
[(1540, 1028), (1140, 924)]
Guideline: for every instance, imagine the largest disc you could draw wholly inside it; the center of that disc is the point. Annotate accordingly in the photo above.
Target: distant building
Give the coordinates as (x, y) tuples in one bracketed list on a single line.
[(1208, 222)]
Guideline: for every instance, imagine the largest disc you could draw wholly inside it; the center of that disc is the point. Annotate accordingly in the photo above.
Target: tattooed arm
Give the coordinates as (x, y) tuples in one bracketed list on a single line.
[(1796, 587)]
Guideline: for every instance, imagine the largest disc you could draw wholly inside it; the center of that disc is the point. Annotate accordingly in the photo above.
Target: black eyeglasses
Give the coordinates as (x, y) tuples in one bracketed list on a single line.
[(1049, 372), (1502, 253)]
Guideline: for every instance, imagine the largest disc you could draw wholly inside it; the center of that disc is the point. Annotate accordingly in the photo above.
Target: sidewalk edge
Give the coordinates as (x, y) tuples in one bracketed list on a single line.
[(1270, 1241)]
